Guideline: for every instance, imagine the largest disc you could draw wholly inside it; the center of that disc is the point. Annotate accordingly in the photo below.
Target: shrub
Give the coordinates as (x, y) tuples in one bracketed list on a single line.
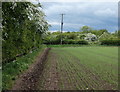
[(66, 41), (82, 42), (115, 42), (52, 41)]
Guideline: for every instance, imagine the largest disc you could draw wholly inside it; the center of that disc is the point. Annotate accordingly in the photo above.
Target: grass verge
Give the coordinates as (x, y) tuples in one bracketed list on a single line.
[(12, 70)]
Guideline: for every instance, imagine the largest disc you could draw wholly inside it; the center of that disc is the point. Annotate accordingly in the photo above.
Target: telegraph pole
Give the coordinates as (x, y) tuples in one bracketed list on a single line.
[(61, 27)]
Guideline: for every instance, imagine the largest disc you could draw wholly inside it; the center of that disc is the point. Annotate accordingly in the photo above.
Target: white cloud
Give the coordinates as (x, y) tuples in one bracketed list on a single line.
[(97, 15), (60, 0), (82, 8), (58, 9), (66, 24), (56, 31), (73, 24), (106, 12), (79, 0), (54, 23)]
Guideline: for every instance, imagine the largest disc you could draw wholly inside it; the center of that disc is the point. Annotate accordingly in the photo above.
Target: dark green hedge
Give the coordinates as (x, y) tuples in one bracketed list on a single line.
[(52, 41), (115, 42), (82, 42), (57, 41)]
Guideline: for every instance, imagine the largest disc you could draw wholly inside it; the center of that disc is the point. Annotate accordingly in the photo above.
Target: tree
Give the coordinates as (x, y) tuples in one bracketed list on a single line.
[(71, 36), (86, 29), (23, 25), (82, 36), (101, 31)]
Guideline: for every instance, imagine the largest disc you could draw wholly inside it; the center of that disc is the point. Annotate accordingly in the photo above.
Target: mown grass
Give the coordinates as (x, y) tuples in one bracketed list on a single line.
[(102, 61), (12, 70)]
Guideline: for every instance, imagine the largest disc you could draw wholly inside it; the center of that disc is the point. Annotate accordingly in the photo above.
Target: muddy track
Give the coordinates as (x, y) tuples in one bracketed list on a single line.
[(29, 79)]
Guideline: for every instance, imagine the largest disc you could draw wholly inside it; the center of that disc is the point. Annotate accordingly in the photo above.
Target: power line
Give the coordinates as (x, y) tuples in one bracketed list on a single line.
[(61, 26)]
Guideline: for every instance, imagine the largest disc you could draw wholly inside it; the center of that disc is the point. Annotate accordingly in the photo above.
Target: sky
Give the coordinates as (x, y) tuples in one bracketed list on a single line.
[(98, 15)]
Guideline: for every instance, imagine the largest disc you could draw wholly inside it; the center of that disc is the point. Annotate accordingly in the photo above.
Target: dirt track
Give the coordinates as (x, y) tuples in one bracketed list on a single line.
[(29, 80)]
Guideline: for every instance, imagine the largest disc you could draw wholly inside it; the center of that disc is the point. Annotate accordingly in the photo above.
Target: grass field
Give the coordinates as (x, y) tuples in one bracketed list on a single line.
[(80, 68)]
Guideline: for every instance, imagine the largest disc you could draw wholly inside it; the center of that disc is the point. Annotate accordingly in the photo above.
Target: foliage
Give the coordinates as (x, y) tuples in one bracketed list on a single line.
[(86, 29), (101, 31), (107, 36), (82, 36), (52, 39), (23, 26), (91, 37), (72, 36), (56, 39), (70, 41), (115, 42)]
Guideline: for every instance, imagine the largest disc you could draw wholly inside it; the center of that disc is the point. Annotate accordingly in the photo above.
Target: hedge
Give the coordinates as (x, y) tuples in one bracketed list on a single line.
[(115, 42), (70, 41)]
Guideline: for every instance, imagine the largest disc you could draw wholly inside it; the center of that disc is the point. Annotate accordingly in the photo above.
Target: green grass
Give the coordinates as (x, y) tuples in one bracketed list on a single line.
[(67, 45), (12, 70), (101, 60), (87, 67), (78, 45)]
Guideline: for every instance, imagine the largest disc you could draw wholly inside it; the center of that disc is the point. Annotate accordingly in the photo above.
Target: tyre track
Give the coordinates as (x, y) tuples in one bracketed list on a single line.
[(29, 79)]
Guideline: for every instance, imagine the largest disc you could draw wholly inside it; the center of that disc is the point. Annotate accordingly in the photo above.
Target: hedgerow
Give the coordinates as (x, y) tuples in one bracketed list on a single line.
[(23, 25), (67, 41), (111, 42)]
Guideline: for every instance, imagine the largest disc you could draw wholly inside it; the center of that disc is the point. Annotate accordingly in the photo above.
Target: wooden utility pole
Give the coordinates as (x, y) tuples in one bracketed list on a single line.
[(61, 27)]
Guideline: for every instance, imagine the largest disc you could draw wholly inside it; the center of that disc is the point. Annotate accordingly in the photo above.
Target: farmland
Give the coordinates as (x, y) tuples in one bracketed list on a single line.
[(37, 55), (80, 68)]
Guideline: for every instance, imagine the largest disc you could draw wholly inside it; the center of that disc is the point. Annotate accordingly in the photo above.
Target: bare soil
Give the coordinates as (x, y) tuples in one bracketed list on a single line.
[(28, 80)]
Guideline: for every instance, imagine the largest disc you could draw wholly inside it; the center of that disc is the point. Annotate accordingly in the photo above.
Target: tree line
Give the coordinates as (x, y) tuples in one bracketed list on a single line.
[(86, 35)]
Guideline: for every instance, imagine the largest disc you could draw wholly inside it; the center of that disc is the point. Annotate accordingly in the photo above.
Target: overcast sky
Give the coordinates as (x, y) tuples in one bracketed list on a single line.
[(99, 15)]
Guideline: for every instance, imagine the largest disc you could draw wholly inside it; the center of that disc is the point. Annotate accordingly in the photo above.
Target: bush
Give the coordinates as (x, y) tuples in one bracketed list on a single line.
[(115, 42), (82, 42), (69, 41), (23, 27), (52, 41)]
